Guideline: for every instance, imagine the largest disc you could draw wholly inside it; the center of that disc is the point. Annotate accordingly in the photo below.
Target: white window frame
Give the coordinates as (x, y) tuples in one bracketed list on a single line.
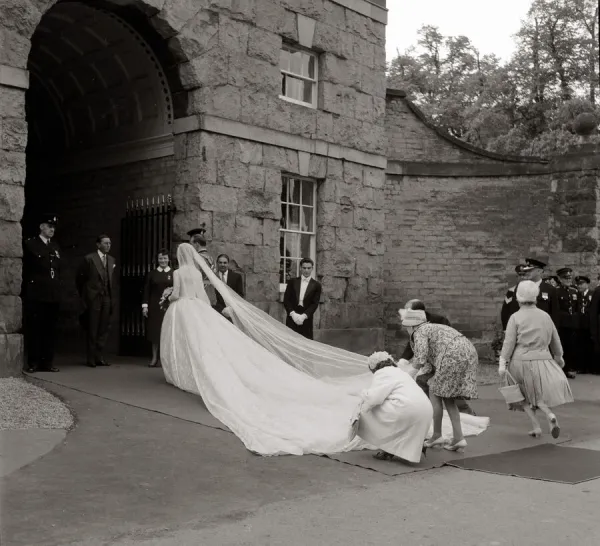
[(313, 228), (314, 80)]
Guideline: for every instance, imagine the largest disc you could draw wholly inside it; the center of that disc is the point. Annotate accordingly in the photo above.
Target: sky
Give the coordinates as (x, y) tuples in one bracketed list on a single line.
[(489, 24)]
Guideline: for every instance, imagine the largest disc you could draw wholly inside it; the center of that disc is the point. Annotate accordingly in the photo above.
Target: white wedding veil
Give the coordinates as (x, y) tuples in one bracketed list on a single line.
[(318, 360)]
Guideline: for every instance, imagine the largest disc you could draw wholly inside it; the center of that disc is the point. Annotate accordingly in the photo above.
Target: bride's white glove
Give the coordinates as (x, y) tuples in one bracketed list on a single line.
[(226, 312)]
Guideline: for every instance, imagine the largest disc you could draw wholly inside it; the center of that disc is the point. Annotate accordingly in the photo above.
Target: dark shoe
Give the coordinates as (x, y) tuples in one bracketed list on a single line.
[(31, 368), (50, 369), (91, 364), (571, 374), (102, 363)]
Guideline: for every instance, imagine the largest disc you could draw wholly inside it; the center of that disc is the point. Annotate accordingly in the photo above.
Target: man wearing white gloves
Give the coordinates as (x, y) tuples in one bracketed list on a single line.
[(301, 300)]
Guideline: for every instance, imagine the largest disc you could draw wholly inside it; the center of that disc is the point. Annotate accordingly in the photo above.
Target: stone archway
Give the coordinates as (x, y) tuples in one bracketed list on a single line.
[(87, 122)]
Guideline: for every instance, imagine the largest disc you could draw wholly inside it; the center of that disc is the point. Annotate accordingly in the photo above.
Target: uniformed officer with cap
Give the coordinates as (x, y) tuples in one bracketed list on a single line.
[(198, 241), (547, 299), (41, 295), (510, 305), (568, 303), (585, 346)]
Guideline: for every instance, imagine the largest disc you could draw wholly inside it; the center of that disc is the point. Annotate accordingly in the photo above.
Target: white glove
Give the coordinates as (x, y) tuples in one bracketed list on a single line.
[(302, 318), (226, 312), (296, 318), (502, 367)]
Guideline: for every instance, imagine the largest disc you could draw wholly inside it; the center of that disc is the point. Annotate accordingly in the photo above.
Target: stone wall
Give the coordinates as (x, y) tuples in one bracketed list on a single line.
[(454, 241), (235, 187), (458, 220), (230, 170), (13, 138)]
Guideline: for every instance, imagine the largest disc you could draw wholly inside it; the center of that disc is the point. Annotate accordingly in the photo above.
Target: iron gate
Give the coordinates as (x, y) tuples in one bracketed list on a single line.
[(146, 228)]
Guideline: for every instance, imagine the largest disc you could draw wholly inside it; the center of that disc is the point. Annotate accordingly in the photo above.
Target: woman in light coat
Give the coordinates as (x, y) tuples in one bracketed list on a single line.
[(533, 355), (396, 414)]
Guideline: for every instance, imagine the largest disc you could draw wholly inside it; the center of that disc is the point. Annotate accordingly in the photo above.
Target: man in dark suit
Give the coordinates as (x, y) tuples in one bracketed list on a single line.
[(585, 346), (301, 300), (41, 295), (230, 278), (508, 307), (569, 320), (594, 316), (95, 285), (422, 380)]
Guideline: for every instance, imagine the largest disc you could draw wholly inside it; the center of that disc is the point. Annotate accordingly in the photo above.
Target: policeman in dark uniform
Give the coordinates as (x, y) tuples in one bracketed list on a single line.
[(568, 303), (41, 295), (510, 304), (585, 345), (198, 241), (547, 299)]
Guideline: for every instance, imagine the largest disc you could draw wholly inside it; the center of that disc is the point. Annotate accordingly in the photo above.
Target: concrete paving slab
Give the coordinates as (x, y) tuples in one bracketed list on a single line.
[(18, 448)]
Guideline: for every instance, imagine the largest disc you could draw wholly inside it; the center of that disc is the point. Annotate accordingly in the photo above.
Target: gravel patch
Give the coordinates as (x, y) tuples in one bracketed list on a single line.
[(24, 405)]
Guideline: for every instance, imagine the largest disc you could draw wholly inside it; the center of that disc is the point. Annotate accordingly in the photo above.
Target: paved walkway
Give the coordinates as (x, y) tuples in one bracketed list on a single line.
[(129, 476)]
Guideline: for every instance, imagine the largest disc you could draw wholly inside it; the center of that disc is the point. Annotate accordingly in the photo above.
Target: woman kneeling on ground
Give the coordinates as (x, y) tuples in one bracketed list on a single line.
[(396, 414), (530, 342)]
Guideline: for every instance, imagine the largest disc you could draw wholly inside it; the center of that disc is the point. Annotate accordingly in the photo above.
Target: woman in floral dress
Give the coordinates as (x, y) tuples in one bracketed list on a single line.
[(453, 360)]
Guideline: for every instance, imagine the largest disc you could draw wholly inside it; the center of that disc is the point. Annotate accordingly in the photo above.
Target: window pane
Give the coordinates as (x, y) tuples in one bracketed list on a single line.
[(311, 67), (292, 245), (284, 60), (294, 184), (296, 61), (307, 192), (307, 219), (307, 95), (284, 186), (283, 220), (294, 89), (305, 244), (293, 217)]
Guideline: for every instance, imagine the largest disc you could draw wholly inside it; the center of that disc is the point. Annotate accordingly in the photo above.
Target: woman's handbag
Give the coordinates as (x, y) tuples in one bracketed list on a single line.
[(511, 391), (354, 422)]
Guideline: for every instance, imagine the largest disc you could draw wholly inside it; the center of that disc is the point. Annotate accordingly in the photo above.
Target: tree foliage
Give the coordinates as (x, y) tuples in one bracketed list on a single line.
[(523, 106)]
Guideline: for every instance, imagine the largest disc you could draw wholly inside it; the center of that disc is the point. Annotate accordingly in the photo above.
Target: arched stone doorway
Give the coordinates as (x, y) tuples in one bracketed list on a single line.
[(100, 108)]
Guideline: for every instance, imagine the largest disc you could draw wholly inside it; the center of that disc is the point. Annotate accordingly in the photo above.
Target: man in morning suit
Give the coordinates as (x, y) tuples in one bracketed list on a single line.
[(230, 278), (301, 300), (41, 295), (95, 285)]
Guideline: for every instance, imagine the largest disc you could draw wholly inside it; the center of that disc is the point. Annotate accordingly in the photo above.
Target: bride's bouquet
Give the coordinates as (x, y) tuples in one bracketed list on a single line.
[(164, 300)]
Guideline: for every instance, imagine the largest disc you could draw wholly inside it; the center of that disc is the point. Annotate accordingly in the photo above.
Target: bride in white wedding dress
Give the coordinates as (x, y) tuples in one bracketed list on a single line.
[(279, 392)]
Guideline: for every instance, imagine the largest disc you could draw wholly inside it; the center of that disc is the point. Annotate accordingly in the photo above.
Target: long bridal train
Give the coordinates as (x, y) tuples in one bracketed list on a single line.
[(279, 392)]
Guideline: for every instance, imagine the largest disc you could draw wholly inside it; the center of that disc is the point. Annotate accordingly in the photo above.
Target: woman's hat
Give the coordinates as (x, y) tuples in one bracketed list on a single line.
[(412, 317), (378, 357)]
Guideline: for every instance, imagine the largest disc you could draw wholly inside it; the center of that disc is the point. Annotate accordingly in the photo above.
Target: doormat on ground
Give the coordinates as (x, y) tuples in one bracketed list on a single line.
[(546, 462), (365, 459)]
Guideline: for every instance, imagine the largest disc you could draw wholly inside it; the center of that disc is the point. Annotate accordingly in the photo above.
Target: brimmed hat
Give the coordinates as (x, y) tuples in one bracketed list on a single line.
[(520, 269), (49, 218), (412, 317), (582, 278), (563, 272), (533, 263)]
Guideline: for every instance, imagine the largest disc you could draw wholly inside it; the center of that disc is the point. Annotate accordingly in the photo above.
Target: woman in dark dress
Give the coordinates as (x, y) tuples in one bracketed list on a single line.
[(157, 281)]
